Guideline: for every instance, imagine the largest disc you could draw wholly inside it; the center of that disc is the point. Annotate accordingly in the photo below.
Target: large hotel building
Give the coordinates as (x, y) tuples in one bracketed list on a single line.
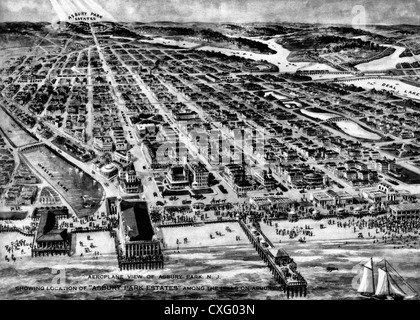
[(137, 246)]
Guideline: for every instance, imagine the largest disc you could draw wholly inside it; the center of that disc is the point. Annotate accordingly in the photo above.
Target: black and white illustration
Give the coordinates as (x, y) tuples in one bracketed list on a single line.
[(210, 149)]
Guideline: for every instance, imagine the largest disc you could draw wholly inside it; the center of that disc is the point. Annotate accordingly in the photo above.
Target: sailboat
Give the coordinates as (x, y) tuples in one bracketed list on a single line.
[(387, 286), (367, 283)]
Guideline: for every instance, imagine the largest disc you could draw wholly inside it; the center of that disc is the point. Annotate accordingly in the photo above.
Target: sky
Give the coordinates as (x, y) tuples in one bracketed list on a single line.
[(235, 11)]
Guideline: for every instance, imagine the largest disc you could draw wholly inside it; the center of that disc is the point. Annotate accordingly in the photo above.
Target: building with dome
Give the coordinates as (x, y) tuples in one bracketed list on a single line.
[(109, 171)]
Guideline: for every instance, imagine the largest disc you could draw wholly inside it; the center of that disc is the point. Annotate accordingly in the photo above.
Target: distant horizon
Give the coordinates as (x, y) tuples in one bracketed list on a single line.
[(368, 12), (222, 22)]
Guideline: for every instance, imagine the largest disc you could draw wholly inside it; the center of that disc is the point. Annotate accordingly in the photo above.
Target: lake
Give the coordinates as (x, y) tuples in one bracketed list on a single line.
[(77, 182), (15, 133)]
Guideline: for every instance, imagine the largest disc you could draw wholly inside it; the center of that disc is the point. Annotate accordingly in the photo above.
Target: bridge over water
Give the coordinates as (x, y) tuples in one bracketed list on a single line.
[(337, 119)]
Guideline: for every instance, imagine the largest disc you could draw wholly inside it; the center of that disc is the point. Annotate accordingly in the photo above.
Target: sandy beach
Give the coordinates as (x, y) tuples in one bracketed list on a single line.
[(331, 232), (311, 231), (94, 242), (18, 244), (200, 236)]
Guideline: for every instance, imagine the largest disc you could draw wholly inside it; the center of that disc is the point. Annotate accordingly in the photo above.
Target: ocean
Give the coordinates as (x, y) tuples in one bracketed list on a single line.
[(228, 272)]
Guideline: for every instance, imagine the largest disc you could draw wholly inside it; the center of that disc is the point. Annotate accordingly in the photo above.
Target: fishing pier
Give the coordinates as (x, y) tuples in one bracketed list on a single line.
[(280, 263)]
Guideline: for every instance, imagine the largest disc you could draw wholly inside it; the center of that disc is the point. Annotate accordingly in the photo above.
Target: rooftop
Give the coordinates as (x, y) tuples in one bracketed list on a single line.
[(46, 231), (136, 221), (405, 206)]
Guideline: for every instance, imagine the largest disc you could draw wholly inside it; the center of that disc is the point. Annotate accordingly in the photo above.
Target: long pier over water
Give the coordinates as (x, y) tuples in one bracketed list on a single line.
[(292, 286)]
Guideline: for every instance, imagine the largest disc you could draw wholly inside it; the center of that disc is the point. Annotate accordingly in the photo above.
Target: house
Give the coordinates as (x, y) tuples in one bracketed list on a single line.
[(122, 157), (199, 174), (236, 178), (103, 144), (265, 178), (405, 210), (156, 156)]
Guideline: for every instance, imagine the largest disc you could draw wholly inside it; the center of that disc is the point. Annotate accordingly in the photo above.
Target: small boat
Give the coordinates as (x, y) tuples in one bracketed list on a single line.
[(389, 283), (302, 240), (331, 269)]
